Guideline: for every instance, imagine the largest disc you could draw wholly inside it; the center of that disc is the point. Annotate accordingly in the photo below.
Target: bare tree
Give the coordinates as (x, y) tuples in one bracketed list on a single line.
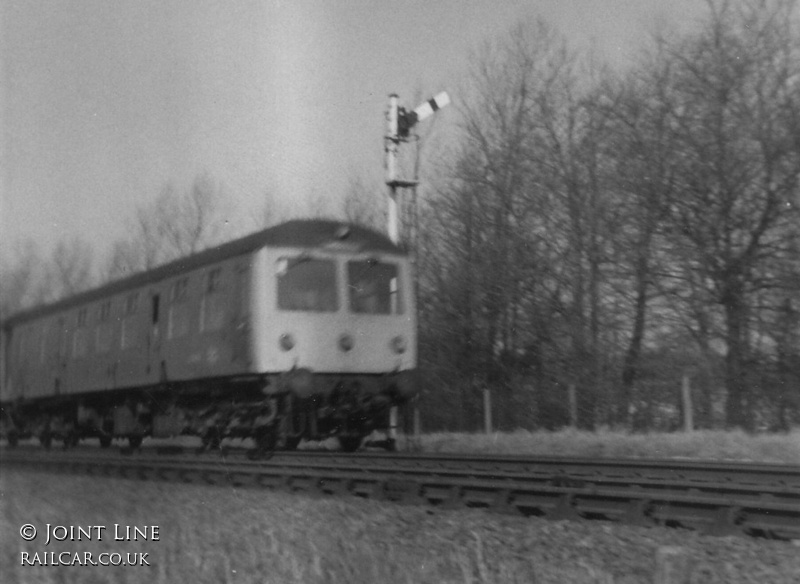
[(270, 214), (592, 226), (365, 204), (70, 269), (737, 119), (642, 157), (28, 278), (172, 226), (494, 250), (21, 279)]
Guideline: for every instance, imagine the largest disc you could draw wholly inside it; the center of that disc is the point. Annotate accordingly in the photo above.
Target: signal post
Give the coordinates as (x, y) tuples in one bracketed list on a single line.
[(399, 123)]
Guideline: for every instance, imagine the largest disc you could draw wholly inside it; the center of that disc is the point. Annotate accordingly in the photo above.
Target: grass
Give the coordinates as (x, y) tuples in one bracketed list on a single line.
[(223, 535), (700, 445), (212, 535)]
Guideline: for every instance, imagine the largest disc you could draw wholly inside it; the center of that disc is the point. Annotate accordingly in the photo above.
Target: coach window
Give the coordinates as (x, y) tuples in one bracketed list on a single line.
[(32, 343), (307, 284), (102, 341), (22, 345), (213, 304), (241, 296), (63, 335), (178, 325), (129, 328), (79, 339), (43, 343), (373, 287)]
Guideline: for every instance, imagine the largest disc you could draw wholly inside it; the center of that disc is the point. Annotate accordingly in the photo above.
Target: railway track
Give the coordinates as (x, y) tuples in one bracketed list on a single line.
[(715, 498)]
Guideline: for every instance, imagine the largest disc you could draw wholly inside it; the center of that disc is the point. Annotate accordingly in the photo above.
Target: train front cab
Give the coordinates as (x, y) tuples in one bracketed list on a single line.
[(336, 329)]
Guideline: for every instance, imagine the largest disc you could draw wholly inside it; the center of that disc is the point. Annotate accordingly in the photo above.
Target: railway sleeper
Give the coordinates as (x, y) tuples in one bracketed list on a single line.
[(614, 508), (367, 489), (304, 484), (772, 527), (334, 486), (406, 492), (637, 512), (503, 503), (564, 509), (716, 520), (188, 476), (444, 496), (274, 482), (727, 521), (173, 475), (535, 504), (243, 479), (478, 498)]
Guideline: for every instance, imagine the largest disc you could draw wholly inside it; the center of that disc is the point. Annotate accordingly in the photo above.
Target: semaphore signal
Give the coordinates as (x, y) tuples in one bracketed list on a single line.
[(408, 119), (399, 123)]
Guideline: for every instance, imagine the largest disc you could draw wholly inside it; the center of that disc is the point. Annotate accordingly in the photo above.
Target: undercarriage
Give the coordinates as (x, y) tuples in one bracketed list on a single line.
[(274, 412)]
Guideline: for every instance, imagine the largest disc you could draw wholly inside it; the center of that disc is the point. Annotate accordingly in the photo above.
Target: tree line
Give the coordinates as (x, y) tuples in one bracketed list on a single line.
[(614, 231), (173, 225)]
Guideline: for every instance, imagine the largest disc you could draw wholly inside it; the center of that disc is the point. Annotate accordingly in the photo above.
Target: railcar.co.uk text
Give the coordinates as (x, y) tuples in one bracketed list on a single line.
[(60, 533)]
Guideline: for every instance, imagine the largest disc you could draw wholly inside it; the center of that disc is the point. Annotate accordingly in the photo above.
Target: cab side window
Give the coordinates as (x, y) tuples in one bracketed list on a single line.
[(373, 287)]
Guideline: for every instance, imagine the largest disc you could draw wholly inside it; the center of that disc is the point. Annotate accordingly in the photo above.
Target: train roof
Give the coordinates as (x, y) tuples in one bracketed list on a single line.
[(299, 233)]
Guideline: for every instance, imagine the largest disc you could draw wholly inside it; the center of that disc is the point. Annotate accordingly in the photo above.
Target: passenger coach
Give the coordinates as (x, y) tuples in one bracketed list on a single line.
[(303, 330)]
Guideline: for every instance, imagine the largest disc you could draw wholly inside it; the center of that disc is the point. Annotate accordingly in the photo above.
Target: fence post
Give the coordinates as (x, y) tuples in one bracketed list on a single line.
[(688, 414), (573, 406), (487, 411)]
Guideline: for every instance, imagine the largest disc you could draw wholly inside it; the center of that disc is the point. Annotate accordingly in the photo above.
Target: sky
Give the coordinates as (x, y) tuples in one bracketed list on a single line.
[(103, 104)]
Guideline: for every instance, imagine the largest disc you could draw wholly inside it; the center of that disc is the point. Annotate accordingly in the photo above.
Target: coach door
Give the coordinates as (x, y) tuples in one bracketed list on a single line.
[(155, 363), (240, 353), (60, 372)]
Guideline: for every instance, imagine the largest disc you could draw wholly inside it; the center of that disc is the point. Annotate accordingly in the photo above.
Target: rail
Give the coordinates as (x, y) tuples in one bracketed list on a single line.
[(715, 498)]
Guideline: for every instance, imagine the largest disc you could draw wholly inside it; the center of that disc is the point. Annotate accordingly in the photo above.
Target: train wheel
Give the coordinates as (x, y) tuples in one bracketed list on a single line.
[(46, 439), (71, 440), (350, 443), (266, 439), (211, 439), (105, 440), (293, 441)]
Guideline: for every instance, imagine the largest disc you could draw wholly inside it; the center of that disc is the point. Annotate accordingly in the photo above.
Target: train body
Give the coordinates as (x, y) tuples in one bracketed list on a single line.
[(303, 330)]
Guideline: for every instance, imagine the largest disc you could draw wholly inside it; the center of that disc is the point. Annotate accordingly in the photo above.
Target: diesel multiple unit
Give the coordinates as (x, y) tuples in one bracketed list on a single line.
[(305, 330)]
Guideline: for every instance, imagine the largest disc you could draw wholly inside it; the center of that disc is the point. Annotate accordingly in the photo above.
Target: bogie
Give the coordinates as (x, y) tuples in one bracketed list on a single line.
[(350, 443), (46, 439), (71, 439)]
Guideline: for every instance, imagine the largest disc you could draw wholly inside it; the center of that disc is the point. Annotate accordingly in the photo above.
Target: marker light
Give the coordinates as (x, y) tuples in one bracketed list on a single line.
[(346, 342), (286, 341), (399, 344)]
